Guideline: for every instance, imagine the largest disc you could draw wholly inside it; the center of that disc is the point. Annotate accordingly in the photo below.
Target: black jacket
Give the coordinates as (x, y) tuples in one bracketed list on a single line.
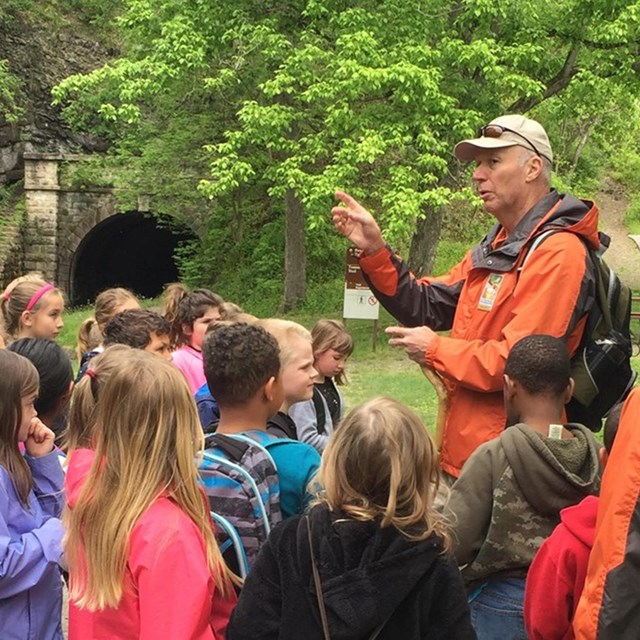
[(369, 575)]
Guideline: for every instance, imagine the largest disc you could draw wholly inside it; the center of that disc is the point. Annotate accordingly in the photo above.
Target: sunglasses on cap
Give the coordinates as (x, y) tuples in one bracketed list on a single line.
[(496, 130)]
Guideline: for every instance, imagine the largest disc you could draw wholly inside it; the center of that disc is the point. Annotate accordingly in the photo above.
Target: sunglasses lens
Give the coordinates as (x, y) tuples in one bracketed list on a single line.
[(492, 131)]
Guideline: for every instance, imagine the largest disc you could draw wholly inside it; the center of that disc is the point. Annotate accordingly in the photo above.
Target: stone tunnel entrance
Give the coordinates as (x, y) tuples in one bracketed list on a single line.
[(130, 250)]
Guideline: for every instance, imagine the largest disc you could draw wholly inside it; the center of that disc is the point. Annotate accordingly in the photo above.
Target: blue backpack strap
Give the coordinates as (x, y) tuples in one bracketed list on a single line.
[(234, 538), (253, 442), (222, 461)]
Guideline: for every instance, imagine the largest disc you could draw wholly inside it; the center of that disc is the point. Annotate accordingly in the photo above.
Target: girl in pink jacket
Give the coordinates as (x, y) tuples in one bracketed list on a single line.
[(189, 313), (142, 554)]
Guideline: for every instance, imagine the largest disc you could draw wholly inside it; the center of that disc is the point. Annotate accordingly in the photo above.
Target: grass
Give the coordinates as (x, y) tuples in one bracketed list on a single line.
[(370, 372)]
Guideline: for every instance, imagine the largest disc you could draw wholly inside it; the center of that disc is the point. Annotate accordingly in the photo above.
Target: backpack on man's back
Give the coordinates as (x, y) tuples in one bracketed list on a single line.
[(601, 366)]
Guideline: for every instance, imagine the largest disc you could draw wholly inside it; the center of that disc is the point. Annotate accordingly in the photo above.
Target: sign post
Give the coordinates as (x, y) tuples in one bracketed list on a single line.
[(359, 301)]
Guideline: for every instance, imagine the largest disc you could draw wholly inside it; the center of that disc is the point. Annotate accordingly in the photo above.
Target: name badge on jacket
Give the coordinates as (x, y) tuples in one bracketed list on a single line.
[(490, 292)]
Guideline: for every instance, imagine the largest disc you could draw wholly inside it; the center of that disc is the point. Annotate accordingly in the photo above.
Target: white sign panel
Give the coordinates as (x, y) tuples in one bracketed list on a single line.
[(359, 302)]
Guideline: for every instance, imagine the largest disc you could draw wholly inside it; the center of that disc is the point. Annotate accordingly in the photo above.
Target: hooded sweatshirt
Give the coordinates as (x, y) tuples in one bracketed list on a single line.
[(370, 577), (169, 593), (508, 499), (489, 301), (556, 577)]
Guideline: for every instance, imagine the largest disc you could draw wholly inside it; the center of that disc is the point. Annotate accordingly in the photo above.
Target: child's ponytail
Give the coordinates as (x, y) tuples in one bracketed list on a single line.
[(84, 400), (174, 294), (108, 303), (88, 338)]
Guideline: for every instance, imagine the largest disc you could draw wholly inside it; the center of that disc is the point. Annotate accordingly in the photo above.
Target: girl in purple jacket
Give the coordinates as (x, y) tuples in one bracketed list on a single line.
[(31, 500)]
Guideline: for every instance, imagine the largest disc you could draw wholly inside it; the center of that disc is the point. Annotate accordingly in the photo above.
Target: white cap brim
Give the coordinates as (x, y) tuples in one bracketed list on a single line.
[(467, 150)]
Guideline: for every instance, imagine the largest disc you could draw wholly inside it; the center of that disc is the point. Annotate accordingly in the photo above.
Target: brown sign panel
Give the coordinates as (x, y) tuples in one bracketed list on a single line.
[(353, 278)]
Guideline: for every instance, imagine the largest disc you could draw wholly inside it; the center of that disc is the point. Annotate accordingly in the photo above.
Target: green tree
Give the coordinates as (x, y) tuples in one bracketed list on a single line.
[(265, 108)]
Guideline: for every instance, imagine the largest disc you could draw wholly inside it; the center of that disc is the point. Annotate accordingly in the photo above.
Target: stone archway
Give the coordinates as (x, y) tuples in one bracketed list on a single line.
[(126, 249)]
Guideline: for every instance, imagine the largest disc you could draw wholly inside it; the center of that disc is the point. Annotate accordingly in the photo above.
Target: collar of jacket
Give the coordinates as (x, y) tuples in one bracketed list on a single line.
[(553, 210)]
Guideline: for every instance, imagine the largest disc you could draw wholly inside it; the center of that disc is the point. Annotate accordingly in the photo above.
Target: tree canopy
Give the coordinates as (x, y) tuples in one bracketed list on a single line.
[(243, 117)]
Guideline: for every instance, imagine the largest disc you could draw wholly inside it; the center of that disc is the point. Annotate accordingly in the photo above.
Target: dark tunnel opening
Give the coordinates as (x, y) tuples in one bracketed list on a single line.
[(129, 250)]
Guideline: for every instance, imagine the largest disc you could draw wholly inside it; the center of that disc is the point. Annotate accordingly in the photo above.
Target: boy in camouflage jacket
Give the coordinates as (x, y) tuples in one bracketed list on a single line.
[(508, 498)]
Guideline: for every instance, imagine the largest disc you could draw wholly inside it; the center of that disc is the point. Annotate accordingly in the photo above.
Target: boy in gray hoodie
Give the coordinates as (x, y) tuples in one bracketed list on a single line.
[(508, 498)]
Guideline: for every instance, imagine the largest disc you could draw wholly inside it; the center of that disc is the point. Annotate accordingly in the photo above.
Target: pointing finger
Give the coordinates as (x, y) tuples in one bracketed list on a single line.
[(397, 331)]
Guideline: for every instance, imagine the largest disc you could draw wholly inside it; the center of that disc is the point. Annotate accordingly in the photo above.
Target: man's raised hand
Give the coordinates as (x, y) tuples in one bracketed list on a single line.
[(354, 222)]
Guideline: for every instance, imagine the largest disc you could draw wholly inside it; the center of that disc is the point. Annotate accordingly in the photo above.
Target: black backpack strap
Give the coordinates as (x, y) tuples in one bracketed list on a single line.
[(211, 428), (593, 259), (318, 405), (233, 448), (280, 427)]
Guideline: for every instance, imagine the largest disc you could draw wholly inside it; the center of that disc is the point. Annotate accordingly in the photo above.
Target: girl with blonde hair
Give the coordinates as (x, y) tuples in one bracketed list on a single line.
[(32, 308), (31, 500), (108, 303), (142, 554), (78, 437), (371, 559), (316, 419)]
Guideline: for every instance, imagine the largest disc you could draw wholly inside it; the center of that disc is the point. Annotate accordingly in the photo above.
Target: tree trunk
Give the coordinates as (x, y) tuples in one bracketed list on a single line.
[(424, 243), (295, 258)]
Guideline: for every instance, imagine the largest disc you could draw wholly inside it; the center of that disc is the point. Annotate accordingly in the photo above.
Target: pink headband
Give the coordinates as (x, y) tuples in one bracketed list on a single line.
[(37, 295)]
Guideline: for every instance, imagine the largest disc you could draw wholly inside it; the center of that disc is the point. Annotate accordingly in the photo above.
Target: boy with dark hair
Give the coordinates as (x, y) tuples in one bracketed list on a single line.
[(140, 329), (512, 489), (242, 367), (557, 574), (238, 362), (207, 405)]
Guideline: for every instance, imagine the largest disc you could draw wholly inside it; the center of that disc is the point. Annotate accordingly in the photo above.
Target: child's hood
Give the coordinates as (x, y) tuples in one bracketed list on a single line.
[(552, 474), (78, 468), (365, 571), (580, 520)]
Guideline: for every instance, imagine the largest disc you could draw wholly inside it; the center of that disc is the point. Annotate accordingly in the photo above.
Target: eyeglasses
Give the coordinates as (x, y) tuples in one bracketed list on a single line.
[(496, 130)]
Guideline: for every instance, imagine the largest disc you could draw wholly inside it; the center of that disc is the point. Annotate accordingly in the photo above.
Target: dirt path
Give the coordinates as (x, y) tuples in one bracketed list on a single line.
[(623, 254)]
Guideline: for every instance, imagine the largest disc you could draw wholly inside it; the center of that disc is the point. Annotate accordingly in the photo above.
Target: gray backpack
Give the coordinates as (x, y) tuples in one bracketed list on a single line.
[(240, 480)]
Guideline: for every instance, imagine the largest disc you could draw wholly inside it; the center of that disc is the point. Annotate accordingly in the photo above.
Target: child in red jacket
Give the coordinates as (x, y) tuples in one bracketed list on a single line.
[(557, 573)]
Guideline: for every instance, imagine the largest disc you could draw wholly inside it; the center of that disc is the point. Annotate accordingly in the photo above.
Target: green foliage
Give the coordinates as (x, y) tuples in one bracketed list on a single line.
[(10, 94), (632, 216), (91, 173), (219, 109)]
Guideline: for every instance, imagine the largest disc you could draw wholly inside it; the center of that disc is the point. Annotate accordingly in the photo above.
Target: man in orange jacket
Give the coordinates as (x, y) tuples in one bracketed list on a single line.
[(500, 292)]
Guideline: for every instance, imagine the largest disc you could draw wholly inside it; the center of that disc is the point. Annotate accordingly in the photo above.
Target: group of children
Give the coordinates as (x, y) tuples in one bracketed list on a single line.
[(214, 489)]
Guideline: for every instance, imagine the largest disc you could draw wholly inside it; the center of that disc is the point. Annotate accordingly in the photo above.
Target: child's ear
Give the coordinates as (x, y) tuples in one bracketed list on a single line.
[(508, 388), (568, 393), (270, 388), (26, 319), (187, 329), (604, 457)]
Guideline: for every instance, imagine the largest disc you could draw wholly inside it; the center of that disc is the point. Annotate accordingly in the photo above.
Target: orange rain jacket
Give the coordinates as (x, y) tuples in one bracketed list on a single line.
[(609, 608), (489, 301)]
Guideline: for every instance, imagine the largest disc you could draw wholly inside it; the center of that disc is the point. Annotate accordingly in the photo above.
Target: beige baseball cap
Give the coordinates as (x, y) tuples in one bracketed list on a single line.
[(507, 131)]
